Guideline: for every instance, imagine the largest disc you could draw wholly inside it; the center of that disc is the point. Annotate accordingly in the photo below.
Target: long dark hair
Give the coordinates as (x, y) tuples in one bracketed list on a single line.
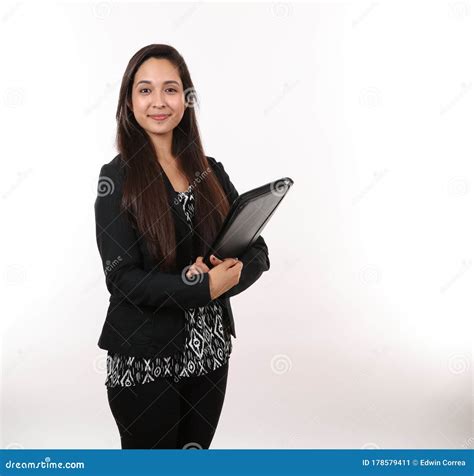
[(145, 196)]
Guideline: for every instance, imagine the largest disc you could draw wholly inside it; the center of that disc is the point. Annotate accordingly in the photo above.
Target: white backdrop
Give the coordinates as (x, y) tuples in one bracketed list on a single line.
[(360, 335)]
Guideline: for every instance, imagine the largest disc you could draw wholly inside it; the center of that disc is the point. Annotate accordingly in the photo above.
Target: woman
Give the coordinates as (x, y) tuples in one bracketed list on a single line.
[(160, 204)]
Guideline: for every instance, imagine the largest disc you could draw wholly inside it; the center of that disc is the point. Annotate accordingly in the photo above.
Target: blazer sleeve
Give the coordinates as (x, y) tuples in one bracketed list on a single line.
[(122, 259), (255, 260)]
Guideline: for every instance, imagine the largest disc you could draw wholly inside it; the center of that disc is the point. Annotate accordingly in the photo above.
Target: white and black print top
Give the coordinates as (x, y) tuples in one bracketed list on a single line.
[(208, 344)]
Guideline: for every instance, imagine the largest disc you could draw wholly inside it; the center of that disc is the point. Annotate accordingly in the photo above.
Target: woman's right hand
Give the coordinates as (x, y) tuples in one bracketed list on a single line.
[(224, 276)]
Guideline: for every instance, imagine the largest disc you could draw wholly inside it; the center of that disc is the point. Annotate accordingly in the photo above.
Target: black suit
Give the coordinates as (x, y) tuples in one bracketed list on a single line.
[(146, 316)]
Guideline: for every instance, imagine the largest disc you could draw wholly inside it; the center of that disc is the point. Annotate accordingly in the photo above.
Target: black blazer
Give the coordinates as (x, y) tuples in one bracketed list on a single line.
[(146, 313)]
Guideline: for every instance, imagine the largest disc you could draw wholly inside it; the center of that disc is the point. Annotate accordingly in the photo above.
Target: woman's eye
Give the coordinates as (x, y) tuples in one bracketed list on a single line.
[(148, 89)]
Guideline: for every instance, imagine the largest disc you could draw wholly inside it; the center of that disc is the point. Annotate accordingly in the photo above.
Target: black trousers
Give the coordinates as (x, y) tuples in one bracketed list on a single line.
[(169, 415)]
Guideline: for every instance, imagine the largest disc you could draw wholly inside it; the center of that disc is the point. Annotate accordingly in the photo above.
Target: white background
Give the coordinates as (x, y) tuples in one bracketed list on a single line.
[(360, 335)]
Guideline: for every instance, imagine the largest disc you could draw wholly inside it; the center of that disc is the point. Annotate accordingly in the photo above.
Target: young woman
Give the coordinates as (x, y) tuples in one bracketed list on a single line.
[(160, 204)]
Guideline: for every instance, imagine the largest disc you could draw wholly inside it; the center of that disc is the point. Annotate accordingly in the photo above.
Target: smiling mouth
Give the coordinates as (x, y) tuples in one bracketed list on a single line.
[(160, 117)]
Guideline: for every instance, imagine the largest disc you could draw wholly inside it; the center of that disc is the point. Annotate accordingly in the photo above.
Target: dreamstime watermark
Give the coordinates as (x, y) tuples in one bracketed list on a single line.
[(465, 265), (109, 88), (13, 97), (458, 187), (100, 364), (14, 446), (187, 14), (378, 176), (286, 89), (101, 10), (459, 10), (364, 14), (280, 187), (370, 446), (21, 176), (105, 186), (371, 366), (111, 265), (465, 88), (195, 278), (190, 97), (15, 274), (370, 275), (281, 364), (6, 16), (281, 9), (468, 444), (192, 446), (458, 363), (370, 97), (46, 464), (199, 176)]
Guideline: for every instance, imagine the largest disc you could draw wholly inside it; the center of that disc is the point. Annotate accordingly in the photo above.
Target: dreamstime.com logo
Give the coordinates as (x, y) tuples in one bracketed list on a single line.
[(46, 464), (105, 186), (280, 187)]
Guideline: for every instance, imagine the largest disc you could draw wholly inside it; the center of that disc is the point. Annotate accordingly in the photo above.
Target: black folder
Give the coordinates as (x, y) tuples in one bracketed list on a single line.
[(247, 217)]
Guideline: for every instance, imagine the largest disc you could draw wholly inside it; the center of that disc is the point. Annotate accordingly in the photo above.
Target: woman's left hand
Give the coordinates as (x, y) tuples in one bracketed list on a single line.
[(199, 266)]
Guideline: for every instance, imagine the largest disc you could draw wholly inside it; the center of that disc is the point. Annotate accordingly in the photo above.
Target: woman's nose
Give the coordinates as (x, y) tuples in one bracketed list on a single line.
[(159, 99)]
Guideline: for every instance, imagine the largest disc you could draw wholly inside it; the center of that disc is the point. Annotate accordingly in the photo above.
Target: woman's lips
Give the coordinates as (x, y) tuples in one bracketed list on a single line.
[(160, 117)]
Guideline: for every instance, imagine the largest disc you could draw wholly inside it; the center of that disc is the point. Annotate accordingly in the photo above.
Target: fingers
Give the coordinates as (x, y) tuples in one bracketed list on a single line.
[(215, 261), (230, 262), (192, 271), (198, 267)]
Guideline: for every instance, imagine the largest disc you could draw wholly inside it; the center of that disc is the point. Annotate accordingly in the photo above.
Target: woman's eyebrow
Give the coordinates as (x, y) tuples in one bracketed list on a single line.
[(147, 81)]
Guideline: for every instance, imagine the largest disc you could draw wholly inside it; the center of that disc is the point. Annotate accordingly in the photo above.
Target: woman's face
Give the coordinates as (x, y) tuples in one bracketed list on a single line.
[(158, 90)]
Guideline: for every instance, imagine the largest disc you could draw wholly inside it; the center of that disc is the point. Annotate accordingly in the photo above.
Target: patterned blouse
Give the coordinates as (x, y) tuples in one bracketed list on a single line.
[(208, 344)]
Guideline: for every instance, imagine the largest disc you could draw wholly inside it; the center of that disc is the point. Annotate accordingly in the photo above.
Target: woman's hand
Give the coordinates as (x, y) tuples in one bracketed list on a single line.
[(200, 267), (224, 276)]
